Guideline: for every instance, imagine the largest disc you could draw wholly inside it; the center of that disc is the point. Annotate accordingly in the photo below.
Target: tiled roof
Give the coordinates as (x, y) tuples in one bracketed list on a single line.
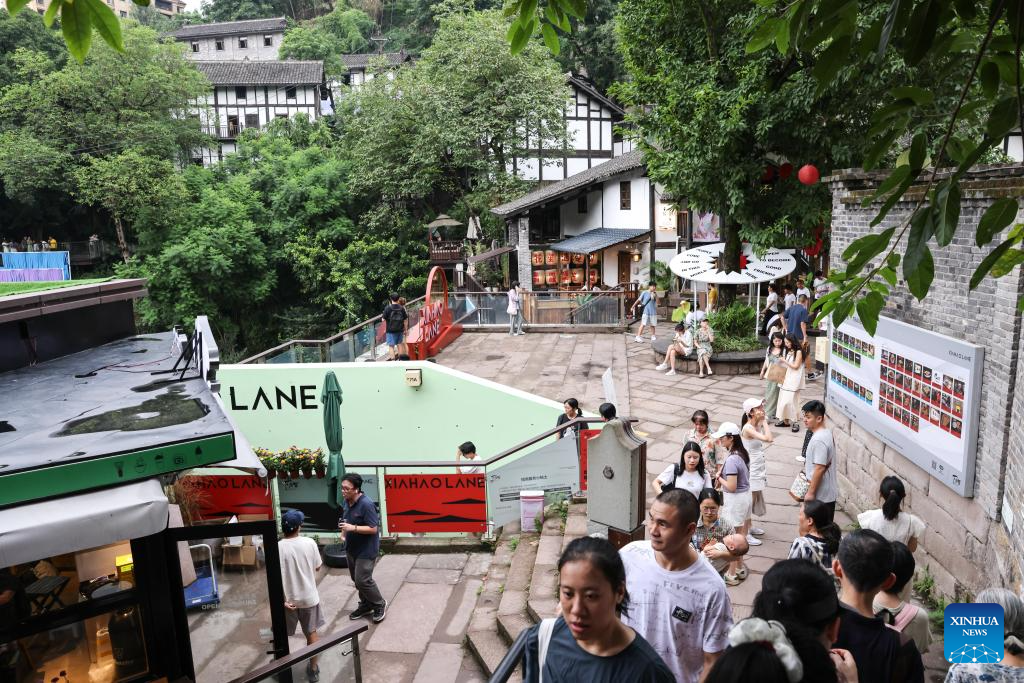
[(230, 28), (596, 240), (263, 73), (613, 167), (362, 61), (588, 87)]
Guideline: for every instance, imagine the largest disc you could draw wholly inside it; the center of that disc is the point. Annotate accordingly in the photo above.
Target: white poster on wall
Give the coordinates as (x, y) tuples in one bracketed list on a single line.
[(553, 468), (917, 391)]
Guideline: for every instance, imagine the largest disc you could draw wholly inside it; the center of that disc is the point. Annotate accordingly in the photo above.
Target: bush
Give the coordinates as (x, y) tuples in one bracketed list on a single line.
[(724, 343), (736, 320)]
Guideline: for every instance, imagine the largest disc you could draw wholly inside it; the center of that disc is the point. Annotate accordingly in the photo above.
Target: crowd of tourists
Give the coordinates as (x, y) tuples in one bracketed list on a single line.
[(837, 609)]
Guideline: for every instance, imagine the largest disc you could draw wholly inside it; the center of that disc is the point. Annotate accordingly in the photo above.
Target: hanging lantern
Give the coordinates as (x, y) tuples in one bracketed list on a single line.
[(808, 175), (635, 254), (785, 170)]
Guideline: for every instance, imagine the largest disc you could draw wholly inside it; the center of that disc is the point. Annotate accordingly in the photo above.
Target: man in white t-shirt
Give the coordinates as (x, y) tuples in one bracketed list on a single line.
[(694, 317), (300, 560), (677, 601), (790, 298), (467, 451), (801, 289)]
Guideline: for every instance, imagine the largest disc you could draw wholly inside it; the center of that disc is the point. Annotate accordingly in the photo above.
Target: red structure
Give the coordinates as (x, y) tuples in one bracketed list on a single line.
[(435, 329)]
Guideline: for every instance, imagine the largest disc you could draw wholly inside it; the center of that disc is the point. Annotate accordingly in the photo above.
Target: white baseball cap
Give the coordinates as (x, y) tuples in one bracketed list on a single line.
[(726, 429), (752, 403)]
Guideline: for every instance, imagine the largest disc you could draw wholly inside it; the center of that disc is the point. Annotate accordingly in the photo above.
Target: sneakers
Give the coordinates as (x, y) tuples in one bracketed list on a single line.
[(380, 612), (639, 339), (741, 573), (753, 541), (811, 376), (731, 580), (360, 612), (670, 372), (661, 366), (312, 675), (756, 531), (795, 428), (800, 458), (653, 338)]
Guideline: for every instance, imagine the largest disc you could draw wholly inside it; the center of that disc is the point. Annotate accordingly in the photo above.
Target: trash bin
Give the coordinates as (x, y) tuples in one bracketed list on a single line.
[(531, 507)]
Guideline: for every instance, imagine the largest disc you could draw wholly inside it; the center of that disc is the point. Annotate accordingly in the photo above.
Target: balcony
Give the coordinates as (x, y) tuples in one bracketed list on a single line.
[(446, 252)]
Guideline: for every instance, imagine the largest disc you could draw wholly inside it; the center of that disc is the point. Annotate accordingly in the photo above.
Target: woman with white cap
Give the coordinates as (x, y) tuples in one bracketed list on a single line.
[(756, 435), (736, 495)]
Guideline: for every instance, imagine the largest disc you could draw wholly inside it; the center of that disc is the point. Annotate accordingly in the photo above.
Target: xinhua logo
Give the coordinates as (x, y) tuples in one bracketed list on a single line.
[(973, 633)]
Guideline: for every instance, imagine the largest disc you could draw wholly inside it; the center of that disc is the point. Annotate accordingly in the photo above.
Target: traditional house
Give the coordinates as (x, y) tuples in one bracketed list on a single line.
[(602, 226), (252, 40), (590, 118), (359, 67), (122, 8), (250, 94)]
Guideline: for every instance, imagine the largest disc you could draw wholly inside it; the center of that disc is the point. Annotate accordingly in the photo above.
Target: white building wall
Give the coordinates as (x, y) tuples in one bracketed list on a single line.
[(205, 49), (638, 216), (573, 222)]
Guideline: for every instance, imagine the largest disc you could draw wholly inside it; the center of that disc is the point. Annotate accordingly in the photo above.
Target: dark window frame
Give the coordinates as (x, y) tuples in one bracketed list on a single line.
[(244, 92), (291, 93), (581, 203), (243, 43), (268, 41), (625, 195), (219, 44)]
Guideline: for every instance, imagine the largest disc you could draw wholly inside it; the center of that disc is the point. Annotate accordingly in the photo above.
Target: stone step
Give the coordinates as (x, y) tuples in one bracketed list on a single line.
[(483, 640), (512, 617), (542, 602)]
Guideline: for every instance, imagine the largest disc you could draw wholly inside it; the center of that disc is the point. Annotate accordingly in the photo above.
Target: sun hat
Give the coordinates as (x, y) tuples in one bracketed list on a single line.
[(726, 429)]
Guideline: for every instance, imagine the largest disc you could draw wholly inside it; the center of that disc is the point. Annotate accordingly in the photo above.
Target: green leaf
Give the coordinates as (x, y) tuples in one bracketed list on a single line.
[(896, 195), (920, 96), (880, 148), (921, 229), (892, 260), (51, 13), (889, 274), (510, 9), (14, 6), (763, 36), (76, 23), (513, 29), (577, 8), (551, 39), (527, 9), (831, 61), (1002, 118), (870, 250), (868, 310), (920, 280), (949, 212), (989, 77), (890, 23), (858, 245), (520, 39), (106, 23), (986, 265), (996, 217), (782, 37), (896, 178), (1007, 262), (841, 312), (925, 21), (918, 152)]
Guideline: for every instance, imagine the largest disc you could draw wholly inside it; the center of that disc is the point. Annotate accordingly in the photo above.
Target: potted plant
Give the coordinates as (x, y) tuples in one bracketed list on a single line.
[(319, 463), (291, 462), (662, 277), (269, 460)]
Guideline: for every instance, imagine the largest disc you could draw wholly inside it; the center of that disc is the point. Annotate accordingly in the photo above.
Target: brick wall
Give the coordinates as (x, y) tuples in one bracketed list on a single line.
[(967, 544)]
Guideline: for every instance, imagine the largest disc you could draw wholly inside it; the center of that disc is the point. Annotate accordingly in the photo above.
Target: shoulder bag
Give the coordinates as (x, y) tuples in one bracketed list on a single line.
[(798, 489), (544, 631), (776, 373)]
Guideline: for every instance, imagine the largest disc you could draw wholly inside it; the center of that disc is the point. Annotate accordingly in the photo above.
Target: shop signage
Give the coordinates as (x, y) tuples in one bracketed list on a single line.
[(585, 436), (917, 391), (435, 502), (225, 495), (553, 468), (303, 397)]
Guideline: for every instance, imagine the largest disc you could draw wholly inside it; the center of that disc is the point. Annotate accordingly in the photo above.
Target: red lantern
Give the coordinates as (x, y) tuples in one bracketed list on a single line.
[(769, 174), (808, 175), (785, 170)]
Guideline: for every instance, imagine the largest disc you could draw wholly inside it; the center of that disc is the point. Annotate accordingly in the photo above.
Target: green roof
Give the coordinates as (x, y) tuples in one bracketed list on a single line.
[(8, 288)]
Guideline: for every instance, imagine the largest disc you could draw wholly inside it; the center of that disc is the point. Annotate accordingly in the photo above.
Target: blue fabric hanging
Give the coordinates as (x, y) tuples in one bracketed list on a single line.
[(39, 259)]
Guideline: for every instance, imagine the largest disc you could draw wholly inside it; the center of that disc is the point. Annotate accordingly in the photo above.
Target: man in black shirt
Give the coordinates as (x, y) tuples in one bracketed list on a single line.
[(864, 567), (396, 326)]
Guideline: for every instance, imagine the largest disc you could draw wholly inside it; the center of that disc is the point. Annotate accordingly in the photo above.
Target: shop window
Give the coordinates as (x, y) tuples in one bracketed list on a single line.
[(105, 648), (581, 204), (625, 195)]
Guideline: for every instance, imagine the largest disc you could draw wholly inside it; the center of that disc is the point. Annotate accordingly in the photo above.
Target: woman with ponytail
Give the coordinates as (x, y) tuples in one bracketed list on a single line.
[(889, 520), (819, 535), (1010, 668)]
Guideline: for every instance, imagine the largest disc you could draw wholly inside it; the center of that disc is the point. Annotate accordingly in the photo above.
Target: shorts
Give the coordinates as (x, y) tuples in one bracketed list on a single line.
[(393, 338), (649, 319), (736, 507), (311, 618)]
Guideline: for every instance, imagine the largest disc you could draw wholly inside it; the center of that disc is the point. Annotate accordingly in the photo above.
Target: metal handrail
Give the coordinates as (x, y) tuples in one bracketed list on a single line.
[(510, 662), (350, 632), (582, 421)]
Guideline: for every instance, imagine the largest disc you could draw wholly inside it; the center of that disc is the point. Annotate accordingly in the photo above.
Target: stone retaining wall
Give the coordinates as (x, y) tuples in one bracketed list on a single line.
[(969, 543)]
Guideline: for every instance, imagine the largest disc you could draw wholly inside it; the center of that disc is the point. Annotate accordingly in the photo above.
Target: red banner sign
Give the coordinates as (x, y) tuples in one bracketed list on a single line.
[(230, 494), (435, 502), (585, 436)]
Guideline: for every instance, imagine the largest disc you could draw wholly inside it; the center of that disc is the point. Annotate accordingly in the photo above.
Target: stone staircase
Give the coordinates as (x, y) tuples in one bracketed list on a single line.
[(521, 586)]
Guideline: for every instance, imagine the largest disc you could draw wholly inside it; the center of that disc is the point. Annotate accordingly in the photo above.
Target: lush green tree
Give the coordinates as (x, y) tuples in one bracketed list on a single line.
[(54, 121), (591, 47), (327, 38), (26, 31)]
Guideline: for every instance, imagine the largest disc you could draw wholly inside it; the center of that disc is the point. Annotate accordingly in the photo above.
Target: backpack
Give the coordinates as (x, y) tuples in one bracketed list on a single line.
[(395, 321), (900, 621), (672, 484)]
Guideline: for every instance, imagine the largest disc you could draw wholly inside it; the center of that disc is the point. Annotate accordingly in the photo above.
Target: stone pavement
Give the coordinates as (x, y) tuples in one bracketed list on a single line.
[(559, 366)]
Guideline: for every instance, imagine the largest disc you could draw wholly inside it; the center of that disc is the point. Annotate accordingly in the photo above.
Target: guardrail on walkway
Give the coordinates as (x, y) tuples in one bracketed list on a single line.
[(335, 663), (473, 310)]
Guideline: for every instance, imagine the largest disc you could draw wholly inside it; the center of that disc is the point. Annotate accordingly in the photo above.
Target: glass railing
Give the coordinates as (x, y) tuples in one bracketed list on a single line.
[(335, 657)]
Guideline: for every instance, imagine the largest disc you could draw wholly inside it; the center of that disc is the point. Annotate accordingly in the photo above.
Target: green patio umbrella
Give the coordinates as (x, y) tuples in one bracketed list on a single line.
[(330, 398)]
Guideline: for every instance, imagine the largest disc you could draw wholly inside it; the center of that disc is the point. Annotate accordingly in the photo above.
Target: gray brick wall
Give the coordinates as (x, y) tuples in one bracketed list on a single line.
[(966, 545)]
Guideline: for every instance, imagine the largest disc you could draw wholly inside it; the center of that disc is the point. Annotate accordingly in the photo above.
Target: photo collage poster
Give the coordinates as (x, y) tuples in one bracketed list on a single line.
[(917, 391)]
